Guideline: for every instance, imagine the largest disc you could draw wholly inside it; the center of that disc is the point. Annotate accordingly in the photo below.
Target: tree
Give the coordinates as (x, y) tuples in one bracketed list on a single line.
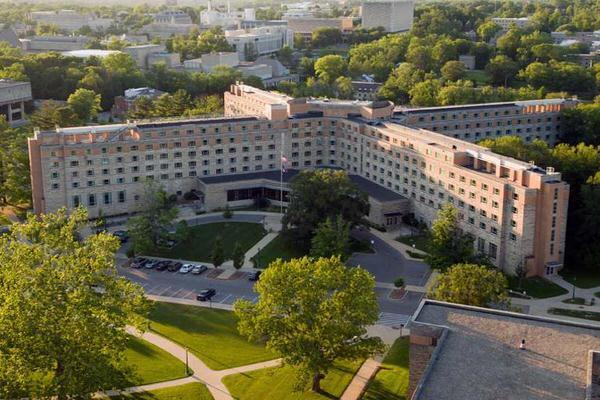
[(238, 256), (502, 70), (227, 213), (285, 55), (217, 255), (319, 194), (52, 114), (447, 244), (85, 104), (400, 82), (399, 283), (453, 70), (331, 239), (488, 30), (470, 284), (343, 87), (425, 93), (15, 186), (53, 315), (148, 227), (326, 36), (312, 312), (329, 68)]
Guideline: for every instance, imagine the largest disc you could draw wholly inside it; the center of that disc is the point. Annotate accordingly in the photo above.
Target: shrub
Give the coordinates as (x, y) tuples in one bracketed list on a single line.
[(399, 282)]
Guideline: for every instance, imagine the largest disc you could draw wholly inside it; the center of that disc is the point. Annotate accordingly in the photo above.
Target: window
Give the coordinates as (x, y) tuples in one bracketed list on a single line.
[(91, 200), (107, 198), (492, 251), (121, 196)]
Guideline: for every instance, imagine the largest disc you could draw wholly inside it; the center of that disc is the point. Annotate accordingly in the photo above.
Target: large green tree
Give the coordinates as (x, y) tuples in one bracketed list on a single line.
[(85, 103), (332, 238), (15, 186), (447, 244), (470, 284), (63, 310), (318, 194), (312, 312), (330, 67)]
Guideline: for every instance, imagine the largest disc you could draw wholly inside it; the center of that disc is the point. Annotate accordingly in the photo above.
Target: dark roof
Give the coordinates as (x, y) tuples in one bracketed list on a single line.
[(373, 189), (197, 121), (428, 110)]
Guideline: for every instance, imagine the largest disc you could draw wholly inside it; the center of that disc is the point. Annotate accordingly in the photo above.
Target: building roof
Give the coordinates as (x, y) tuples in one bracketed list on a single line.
[(522, 103), (479, 356), (90, 53), (9, 83), (375, 191)]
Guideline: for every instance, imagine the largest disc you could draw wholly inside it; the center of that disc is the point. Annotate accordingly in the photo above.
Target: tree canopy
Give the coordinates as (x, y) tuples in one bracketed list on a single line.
[(312, 312)]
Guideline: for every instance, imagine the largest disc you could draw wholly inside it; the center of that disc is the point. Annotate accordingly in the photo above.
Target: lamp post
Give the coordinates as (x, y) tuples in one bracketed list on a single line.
[(187, 369), (574, 280)]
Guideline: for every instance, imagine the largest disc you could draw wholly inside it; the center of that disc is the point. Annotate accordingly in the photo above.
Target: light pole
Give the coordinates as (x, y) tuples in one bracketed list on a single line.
[(187, 369), (574, 280)]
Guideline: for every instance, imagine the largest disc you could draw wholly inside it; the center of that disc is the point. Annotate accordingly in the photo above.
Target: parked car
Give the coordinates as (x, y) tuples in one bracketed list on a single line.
[(123, 236), (254, 276), (206, 294), (185, 268), (198, 269), (174, 266), (151, 264), (138, 262), (162, 265)]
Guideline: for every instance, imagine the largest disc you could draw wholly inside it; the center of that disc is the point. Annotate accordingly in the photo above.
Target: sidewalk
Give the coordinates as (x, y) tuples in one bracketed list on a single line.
[(390, 239), (254, 250), (359, 383)]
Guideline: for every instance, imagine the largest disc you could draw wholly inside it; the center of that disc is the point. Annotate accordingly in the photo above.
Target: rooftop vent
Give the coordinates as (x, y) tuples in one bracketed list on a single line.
[(593, 377)]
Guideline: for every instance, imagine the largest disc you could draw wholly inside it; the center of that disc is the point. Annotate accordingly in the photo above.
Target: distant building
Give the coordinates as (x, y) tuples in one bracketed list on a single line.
[(226, 19), (460, 352), (9, 36), (42, 44), (583, 37), (128, 38), (86, 53), (170, 60), (262, 71), (70, 20), (505, 23), (140, 53), (13, 96), (306, 26), (467, 60), (392, 15), (124, 104), (586, 60), (175, 17), (259, 41), (165, 31), (305, 9), (365, 91), (208, 62)]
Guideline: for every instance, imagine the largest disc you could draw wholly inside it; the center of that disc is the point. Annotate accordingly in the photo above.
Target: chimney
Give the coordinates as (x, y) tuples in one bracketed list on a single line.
[(522, 344), (593, 376)]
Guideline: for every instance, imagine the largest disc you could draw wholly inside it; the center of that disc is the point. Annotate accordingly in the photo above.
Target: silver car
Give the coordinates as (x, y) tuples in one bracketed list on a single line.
[(185, 268), (198, 269)]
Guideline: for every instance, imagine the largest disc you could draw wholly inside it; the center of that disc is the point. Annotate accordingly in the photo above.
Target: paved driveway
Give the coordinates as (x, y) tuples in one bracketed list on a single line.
[(387, 264)]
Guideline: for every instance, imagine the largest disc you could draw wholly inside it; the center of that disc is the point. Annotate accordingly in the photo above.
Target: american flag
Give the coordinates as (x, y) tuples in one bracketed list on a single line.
[(284, 162)]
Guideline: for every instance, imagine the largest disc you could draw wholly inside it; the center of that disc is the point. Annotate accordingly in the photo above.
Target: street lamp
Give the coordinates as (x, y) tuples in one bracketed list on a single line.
[(574, 280), (187, 369)]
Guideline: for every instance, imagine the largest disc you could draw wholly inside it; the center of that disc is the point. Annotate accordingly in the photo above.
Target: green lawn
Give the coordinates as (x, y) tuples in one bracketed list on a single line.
[(420, 241), (391, 381), (576, 300), (591, 315), (209, 333), (582, 279), (536, 287), (151, 364), (279, 247), (277, 383), (198, 246), (480, 77), (189, 391)]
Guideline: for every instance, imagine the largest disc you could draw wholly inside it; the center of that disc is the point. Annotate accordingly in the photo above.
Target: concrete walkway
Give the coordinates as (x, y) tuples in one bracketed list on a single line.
[(390, 239), (254, 250), (359, 383), (200, 371)]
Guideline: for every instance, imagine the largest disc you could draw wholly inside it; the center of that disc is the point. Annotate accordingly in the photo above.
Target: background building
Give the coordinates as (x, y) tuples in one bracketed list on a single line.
[(392, 15), (306, 26), (70, 20), (505, 23), (141, 53), (176, 17), (252, 43), (42, 44), (13, 96)]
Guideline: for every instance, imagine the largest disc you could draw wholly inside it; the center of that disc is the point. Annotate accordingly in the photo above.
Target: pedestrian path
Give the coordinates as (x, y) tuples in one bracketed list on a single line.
[(393, 320), (254, 250), (359, 383)]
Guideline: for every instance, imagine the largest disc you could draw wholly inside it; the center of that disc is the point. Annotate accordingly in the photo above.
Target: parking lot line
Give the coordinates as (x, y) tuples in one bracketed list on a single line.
[(225, 299), (176, 292), (165, 291)]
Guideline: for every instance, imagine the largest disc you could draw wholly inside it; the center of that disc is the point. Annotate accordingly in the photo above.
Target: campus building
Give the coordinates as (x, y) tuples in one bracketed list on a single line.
[(70, 20), (13, 97), (462, 352), (265, 40), (392, 15), (515, 211)]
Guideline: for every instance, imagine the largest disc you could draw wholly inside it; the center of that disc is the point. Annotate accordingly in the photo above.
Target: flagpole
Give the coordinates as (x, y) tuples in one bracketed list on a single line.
[(281, 175)]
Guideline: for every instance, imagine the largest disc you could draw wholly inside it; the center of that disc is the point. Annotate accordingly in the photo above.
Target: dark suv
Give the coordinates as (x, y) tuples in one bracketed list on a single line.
[(206, 294)]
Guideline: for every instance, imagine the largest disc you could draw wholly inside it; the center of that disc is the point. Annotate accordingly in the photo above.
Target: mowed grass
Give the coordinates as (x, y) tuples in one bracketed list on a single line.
[(208, 333), (391, 381), (582, 279), (189, 391), (536, 287), (278, 383), (150, 363), (480, 77), (280, 247), (198, 246), (419, 241)]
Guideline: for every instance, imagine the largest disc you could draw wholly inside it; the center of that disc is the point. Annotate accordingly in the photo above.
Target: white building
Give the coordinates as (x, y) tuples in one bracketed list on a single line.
[(13, 96), (140, 53), (213, 17), (165, 31), (87, 53), (259, 41), (208, 62), (305, 9), (505, 23), (70, 20), (172, 17), (392, 15)]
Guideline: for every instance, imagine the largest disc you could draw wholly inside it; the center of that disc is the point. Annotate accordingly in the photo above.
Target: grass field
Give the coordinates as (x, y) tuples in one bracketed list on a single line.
[(198, 246), (190, 391), (278, 248), (480, 77), (536, 287), (151, 364), (420, 241), (591, 315), (277, 383), (582, 279), (391, 381), (209, 333)]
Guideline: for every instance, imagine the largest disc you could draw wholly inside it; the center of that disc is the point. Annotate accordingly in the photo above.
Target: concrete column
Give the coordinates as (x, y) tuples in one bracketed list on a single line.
[(10, 112)]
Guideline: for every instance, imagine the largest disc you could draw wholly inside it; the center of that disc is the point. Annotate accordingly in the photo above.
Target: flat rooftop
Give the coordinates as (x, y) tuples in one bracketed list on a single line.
[(375, 191), (480, 358), (482, 106)]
